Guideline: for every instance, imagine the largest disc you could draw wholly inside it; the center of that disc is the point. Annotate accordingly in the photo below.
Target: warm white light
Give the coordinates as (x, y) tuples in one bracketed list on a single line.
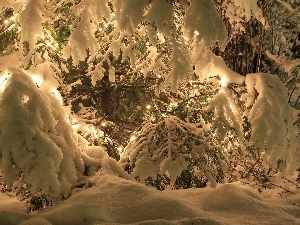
[(49, 44), (120, 149), (74, 121), (223, 81), (57, 95), (106, 25), (5, 21), (148, 107), (103, 124), (87, 128), (133, 137), (196, 91), (37, 80), (173, 105), (3, 81), (75, 126)]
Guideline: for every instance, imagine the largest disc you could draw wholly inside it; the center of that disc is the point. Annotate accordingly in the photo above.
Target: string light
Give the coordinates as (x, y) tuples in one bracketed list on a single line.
[(48, 43), (13, 18), (148, 107), (223, 81), (133, 137), (120, 149)]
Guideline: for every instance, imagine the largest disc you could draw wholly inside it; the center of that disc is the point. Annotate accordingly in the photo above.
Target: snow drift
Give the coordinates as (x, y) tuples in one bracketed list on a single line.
[(114, 200)]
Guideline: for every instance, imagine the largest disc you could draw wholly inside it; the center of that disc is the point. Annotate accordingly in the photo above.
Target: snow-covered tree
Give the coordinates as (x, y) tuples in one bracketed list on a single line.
[(117, 59), (38, 146)]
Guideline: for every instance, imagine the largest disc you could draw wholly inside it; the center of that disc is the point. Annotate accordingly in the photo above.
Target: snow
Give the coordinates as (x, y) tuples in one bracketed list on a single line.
[(202, 18), (36, 138), (31, 24), (114, 200), (284, 62), (81, 39), (160, 14), (277, 137), (240, 11)]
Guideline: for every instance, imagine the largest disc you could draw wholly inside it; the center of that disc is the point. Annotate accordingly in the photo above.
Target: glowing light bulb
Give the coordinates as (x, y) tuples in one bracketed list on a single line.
[(75, 126), (148, 107), (223, 81), (133, 137), (103, 124)]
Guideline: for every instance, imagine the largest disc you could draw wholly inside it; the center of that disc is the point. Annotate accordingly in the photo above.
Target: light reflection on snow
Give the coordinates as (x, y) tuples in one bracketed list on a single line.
[(25, 99), (37, 80), (57, 95), (3, 81), (120, 150)]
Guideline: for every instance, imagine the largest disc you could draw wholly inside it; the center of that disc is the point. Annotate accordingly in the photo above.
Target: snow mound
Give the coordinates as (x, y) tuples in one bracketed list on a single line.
[(114, 200)]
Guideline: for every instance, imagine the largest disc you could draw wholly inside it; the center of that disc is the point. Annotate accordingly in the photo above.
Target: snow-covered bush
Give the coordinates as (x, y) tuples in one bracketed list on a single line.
[(40, 153), (38, 146), (172, 146), (246, 136), (269, 113)]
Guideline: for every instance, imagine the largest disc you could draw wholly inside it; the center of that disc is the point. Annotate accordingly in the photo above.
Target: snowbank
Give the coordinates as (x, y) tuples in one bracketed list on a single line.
[(117, 201)]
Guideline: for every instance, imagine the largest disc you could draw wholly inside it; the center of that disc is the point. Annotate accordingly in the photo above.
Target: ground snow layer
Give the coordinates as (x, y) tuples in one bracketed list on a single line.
[(117, 201)]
